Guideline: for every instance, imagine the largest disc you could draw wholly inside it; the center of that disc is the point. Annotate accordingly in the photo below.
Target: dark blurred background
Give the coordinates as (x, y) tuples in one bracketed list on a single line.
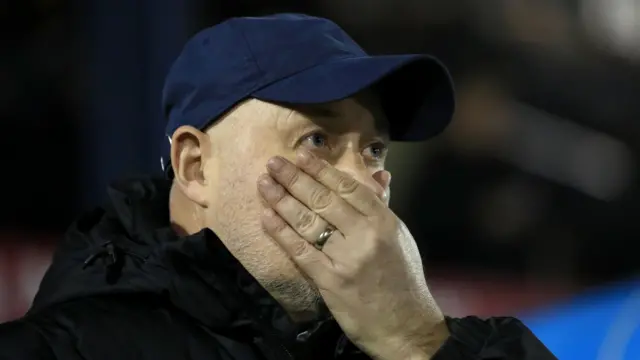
[(529, 197)]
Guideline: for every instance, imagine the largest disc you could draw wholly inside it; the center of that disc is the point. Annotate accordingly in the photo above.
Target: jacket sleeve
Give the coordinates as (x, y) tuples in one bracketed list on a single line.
[(495, 338), (20, 340)]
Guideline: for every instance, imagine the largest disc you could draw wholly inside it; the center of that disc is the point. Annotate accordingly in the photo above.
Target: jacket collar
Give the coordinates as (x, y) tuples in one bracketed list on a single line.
[(129, 247)]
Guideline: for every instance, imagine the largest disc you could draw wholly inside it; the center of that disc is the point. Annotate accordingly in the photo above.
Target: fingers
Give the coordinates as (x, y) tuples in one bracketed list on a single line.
[(313, 262), (315, 196), (308, 224), (348, 188), (383, 178)]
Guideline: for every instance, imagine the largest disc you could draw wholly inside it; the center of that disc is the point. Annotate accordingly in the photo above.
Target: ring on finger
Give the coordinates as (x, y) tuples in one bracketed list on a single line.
[(324, 236)]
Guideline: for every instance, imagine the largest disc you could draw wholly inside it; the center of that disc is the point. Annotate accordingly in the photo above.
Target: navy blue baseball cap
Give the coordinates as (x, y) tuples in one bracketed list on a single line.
[(300, 59)]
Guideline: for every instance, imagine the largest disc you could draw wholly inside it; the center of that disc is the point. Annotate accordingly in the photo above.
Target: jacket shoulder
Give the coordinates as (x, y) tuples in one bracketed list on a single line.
[(22, 340), (110, 327)]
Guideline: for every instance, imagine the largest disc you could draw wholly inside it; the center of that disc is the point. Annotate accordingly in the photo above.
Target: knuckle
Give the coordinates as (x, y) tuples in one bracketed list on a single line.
[(343, 280), (321, 169), (300, 249), (344, 275), (320, 198), (316, 167), (377, 212), (291, 177), (278, 226), (347, 185), (306, 220), (375, 204)]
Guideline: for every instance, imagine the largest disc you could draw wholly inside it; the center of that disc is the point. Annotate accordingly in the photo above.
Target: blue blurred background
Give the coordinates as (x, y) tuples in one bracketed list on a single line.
[(603, 324), (527, 205)]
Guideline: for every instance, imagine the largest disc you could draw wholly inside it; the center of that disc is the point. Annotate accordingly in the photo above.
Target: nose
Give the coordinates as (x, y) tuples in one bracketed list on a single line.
[(377, 181)]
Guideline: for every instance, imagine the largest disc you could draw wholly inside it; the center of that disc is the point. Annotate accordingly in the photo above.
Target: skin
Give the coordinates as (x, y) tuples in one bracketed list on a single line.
[(331, 171)]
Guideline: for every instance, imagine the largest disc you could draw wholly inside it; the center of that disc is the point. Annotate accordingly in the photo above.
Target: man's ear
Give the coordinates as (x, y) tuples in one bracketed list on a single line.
[(189, 151)]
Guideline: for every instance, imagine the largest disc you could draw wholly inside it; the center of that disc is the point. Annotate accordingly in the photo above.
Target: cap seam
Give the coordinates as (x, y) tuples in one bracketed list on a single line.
[(246, 41)]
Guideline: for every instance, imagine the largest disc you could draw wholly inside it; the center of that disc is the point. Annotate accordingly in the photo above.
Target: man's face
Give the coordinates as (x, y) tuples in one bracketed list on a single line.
[(349, 134)]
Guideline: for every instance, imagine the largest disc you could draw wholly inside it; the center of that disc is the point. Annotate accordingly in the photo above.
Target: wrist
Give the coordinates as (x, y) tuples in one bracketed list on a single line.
[(430, 341), (421, 344)]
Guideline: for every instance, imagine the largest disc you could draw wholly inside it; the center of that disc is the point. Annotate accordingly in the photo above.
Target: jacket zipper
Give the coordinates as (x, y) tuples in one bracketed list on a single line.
[(273, 352), (287, 352)]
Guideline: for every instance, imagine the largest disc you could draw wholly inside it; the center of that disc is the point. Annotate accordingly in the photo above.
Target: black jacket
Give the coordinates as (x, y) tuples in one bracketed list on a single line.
[(123, 286)]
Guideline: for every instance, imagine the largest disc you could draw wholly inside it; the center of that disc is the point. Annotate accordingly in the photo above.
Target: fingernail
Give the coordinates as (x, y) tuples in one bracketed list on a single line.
[(268, 213), (275, 164), (304, 157), (265, 181), (269, 189)]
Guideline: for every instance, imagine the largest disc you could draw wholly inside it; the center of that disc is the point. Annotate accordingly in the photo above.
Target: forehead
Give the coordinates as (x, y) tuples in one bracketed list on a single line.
[(361, 111)]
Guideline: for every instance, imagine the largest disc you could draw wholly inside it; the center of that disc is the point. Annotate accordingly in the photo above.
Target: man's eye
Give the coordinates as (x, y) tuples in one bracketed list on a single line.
[(376, 151), (316, 140)]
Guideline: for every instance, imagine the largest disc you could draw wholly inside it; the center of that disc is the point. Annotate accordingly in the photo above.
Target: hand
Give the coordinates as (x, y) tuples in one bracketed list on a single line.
[(369, 272)]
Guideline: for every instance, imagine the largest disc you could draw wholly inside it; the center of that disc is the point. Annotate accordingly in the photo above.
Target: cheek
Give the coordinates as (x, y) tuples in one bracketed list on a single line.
[(239, 164), (236, 184), (235, 208)]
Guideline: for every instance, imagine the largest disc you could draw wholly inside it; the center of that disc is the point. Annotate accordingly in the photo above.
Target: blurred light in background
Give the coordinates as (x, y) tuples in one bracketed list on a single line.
[(602, 324), (614, 25), (590, 161)]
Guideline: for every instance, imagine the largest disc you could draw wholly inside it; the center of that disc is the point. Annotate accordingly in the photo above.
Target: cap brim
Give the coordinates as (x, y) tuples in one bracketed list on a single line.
[(416, 91)]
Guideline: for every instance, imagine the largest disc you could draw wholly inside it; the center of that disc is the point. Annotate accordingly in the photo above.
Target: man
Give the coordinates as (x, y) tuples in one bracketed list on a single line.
[(272, 239)]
